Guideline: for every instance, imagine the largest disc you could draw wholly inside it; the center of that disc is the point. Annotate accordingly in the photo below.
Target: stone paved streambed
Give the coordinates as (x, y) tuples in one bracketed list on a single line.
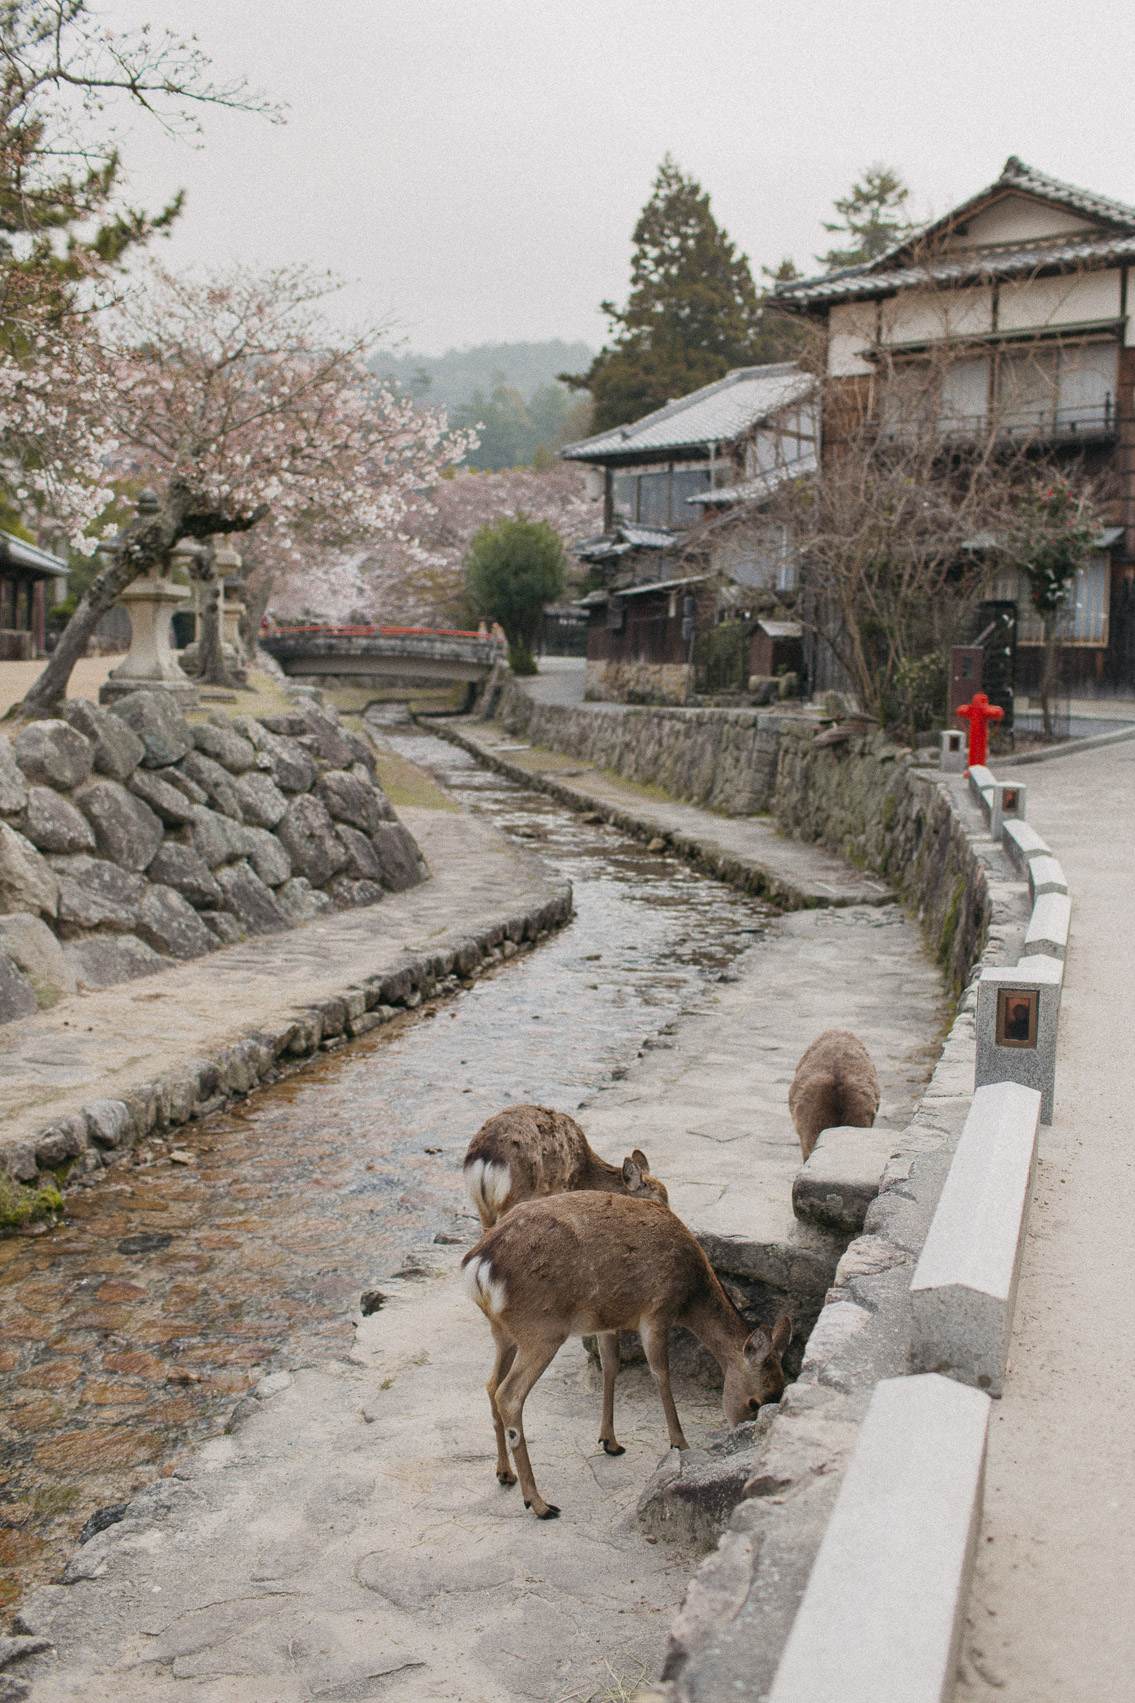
[(348, 1539), (130, 1330)]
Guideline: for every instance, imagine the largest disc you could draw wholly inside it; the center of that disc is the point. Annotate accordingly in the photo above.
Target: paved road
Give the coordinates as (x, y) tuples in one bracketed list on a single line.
[(1051, 1618)]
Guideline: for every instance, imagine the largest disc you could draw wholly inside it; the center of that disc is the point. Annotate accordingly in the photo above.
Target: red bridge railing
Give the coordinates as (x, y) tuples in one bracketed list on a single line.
[(381, 632)]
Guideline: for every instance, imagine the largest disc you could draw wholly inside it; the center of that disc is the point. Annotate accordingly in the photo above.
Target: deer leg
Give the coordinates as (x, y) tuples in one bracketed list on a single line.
[(609, 1360), (656, 1342), (531, 1361), (506, 1354)]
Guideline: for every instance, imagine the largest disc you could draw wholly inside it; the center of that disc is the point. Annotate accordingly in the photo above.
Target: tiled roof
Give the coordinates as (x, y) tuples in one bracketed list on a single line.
[(623, 538), (761, 486), (21, 554), (881, 276), (863, 283), (606, 593), (717, 413)]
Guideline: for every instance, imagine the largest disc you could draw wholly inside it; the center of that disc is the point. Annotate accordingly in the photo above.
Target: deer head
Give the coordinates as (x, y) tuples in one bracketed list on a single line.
[(638, 1180), (757, 1376)]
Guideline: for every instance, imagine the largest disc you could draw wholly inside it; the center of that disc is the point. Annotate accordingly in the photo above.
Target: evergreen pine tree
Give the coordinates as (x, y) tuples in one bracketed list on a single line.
[(692, 313), (872, 216)]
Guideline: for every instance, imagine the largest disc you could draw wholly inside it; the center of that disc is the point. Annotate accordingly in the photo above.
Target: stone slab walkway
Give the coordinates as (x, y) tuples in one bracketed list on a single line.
[(100, 1044), (348, 1540), (1051, 1614), (745, 850), (711, 1108)]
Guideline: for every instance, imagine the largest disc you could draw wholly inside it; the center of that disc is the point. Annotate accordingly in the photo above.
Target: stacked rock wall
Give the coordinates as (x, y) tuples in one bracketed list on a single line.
[(131, 839), (866, 800), (722, 759)]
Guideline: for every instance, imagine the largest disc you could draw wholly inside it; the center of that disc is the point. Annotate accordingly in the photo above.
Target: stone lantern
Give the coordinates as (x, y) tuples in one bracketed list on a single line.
[(150, 665), (228, 565)]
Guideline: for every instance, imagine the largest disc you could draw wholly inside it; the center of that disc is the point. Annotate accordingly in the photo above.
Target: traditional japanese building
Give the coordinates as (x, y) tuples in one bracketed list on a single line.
[(31, 580), (660, 586), (1029, 286)]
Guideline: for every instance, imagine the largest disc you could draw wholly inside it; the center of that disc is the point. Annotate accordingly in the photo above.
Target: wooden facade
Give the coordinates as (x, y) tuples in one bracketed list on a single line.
[(1024, 296), (640, 642)]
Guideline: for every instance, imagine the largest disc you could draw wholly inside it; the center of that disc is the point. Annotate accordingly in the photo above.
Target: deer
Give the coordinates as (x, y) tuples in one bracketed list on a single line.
[(528, 1151), (835, 1083), (583, 1262)]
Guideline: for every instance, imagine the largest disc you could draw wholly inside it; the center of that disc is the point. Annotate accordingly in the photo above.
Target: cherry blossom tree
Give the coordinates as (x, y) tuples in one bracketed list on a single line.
[(233, 396), (416, 576)]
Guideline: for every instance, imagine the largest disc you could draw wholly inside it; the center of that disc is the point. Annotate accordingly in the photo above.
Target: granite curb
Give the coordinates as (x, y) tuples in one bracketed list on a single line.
[(1071, 749)]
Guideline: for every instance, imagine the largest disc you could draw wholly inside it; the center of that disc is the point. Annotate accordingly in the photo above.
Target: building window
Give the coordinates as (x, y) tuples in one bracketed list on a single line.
[(658, 497), (1059, 390), (624, 497), (654, 498), (1083, 621), (687, 482)]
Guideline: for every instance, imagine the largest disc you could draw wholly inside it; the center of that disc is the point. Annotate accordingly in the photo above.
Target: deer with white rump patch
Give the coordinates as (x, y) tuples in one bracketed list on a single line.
[(835, 1083), (582, 1262), (528, 1151)]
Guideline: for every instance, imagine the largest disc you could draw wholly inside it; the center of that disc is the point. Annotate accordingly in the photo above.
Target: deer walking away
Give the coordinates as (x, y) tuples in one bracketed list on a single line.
[(835, 1083), (588, 1261)]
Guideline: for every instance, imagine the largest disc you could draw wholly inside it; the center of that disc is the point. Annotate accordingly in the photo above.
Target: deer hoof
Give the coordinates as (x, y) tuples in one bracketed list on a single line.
[(550, 1513), (506, 1478), (612, 1448)]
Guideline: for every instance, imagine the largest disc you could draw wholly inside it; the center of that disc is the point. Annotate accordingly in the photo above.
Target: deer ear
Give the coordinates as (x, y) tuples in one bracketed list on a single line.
[(632, 1173), (782, 1333), (640, 1159), (758, 1347)]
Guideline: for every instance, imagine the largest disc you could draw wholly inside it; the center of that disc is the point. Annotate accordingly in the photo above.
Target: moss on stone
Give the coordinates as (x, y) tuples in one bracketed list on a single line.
[(19, 1205)]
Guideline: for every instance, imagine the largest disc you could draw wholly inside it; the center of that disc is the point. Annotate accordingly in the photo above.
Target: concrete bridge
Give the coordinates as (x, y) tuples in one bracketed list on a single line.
[(382, 656)]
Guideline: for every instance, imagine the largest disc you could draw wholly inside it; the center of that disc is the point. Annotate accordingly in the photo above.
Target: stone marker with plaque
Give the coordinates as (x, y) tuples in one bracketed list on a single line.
[(1008, 805), (1018, 1013), (953, 758)]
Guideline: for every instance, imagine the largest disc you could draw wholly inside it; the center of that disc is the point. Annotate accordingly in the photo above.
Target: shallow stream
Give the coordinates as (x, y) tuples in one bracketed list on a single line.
[(129, 1331)]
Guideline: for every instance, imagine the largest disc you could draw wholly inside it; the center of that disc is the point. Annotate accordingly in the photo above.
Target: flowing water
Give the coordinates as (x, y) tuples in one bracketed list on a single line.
[(128, 1331)]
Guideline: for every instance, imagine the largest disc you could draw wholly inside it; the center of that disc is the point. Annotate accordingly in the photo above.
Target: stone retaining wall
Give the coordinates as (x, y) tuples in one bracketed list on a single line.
[(134, 839), (722, 759), (867, 800)]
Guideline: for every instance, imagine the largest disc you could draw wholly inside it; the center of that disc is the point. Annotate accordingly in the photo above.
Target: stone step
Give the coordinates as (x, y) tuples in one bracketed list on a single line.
[(842, 1175)]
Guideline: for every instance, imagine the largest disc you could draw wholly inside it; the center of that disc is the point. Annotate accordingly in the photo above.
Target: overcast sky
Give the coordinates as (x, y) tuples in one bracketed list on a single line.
[(475, 167)]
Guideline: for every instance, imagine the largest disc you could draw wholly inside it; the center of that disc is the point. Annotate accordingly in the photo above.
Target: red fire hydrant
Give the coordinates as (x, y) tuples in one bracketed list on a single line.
[(980, 713)]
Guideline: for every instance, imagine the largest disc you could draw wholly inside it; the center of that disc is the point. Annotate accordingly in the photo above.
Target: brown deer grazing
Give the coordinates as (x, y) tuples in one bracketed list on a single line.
[(835, 1083), (578, 1263), (528, 1151)]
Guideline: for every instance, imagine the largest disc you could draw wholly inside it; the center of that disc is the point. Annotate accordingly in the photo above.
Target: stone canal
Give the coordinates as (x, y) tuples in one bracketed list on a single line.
[(130, 1329)]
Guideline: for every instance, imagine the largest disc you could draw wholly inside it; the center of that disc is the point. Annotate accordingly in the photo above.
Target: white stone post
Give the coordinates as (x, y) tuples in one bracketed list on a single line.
[(953, 758)]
